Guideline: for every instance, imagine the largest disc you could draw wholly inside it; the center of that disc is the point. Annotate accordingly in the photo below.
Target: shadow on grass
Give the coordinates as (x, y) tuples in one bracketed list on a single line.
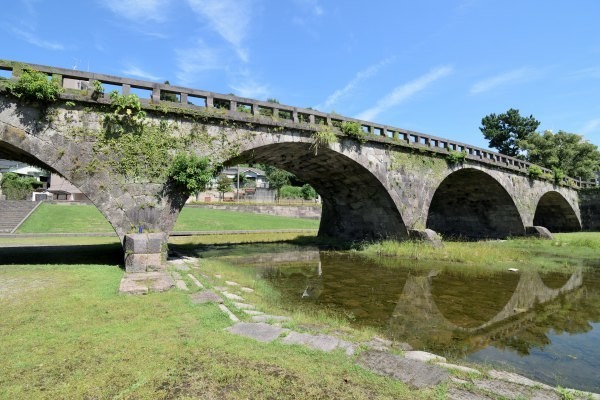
[(110, 254)]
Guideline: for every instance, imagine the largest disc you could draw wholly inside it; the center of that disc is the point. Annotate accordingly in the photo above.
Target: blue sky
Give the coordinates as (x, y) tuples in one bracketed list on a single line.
[(431, 66)]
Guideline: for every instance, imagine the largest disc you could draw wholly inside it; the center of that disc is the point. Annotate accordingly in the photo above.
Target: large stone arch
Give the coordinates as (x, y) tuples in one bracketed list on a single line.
[(356, 204), (472, 204), (554, 212)]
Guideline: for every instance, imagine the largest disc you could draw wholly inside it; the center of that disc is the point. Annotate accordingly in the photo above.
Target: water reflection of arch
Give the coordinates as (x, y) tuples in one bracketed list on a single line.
[(417, 302)]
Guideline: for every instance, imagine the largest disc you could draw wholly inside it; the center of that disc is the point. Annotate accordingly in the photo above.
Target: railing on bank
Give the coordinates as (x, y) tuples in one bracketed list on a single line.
[(80, 83)]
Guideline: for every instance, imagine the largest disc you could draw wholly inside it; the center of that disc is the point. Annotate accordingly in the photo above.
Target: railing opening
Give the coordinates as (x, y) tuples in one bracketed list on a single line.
[(196, 101), (141, 93)]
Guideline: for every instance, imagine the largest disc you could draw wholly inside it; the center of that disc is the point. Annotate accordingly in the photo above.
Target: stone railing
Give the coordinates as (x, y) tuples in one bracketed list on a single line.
[(78, 84)]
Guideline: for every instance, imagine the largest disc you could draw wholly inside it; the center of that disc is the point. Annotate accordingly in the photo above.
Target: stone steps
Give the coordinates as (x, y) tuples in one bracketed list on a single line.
[(12, 212)]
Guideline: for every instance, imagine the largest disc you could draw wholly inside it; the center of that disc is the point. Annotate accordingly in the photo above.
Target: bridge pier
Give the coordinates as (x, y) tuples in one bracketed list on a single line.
[(145, 252)]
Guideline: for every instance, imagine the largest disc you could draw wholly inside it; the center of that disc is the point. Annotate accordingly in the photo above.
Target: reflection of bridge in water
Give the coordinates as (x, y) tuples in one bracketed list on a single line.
[(418, 315), (434, 309)]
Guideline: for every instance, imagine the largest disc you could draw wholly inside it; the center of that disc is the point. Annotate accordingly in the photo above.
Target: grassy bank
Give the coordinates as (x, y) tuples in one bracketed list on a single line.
[(566, 250), (82, 218), (69, 335)]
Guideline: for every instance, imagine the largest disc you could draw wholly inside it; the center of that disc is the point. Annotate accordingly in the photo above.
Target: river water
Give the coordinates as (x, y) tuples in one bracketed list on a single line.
[(542, 325)]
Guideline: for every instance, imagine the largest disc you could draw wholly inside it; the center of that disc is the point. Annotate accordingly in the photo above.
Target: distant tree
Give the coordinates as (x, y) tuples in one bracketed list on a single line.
[(16, 187), (505, 131), (308, 192), (165, 96), (224, 184), (277, 178), (567, 152)]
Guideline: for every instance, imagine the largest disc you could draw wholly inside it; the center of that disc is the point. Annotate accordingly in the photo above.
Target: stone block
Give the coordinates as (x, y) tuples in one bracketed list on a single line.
[(144, 243), (142, 262)]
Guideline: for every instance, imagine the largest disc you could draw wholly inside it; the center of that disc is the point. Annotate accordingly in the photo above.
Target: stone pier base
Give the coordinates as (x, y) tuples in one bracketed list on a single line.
[(145, 251), (539, 231)]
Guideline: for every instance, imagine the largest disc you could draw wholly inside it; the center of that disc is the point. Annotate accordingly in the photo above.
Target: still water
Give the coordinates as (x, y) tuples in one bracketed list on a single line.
[(542, 325)]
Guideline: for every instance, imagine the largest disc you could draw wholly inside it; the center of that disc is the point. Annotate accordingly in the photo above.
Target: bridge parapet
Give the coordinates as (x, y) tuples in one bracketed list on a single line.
[(78, 85)]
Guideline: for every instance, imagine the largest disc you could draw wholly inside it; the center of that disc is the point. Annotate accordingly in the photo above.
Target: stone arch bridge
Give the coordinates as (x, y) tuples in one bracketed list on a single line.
[(394, 184)]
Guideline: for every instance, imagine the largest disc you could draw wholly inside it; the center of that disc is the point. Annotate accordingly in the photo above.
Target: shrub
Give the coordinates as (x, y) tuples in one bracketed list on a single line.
[(559, 175), (308, 192), (35, 86), (17, 187), (97, 90), (290, 192), (354, 130), (534, 171), (191, 173), (456, 157), (324, 136)]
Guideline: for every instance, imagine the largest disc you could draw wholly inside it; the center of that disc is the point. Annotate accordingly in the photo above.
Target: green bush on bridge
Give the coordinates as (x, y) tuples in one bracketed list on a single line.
[(35, 86)]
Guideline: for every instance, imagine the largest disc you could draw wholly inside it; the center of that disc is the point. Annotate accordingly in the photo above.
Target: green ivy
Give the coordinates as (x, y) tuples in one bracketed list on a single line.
[(35, 86), (456, 157), (191, 172), (534, 171), (324, 136), (354, 130)]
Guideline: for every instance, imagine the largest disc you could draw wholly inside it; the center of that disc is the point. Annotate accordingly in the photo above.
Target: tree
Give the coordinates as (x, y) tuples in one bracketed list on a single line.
[(505, 131), (567, 152), (191, 173), (224, 184), (17, 187), (308, 192), (277, 178)]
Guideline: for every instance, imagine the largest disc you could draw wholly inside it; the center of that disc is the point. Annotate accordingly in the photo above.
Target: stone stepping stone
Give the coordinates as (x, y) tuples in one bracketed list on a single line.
[(230, 283), (220, 288), (516, 378), (318, 342), (252, 312), (218, 276), (181, 284), (243, 306), (176, 275), (232, 296), (423, 356), (206, 297), (196, 281), (269, 318), (182, 268), (379, 344), (459, 394), (511, 390), (459, 368), (246, 289), (257, 331), (415, 374), (227, 311)]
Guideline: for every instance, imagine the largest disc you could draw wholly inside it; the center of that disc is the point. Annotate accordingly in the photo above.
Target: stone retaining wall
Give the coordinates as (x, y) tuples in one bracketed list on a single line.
[(308, 212), (589, 204)]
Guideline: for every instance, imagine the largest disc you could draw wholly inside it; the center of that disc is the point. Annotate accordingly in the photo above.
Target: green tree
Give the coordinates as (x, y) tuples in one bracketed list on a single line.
[(191, 173), (16, 187), (224, 184), (567, 152), (277, 178), (505, 131), (308, 192)]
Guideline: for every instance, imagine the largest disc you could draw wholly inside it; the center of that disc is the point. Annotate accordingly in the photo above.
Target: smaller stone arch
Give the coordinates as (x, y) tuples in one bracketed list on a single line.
[(554, 212), (470, 203)]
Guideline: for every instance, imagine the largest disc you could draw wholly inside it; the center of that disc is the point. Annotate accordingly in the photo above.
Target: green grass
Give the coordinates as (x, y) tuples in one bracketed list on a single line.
[(60, 218), (67, 334)]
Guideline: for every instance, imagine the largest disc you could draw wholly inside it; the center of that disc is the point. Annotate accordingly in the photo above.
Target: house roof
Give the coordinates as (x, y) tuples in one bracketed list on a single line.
[(244, 170)]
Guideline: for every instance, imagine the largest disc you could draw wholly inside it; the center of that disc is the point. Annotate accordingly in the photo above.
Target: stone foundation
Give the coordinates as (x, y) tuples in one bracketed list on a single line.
[(144, 251)]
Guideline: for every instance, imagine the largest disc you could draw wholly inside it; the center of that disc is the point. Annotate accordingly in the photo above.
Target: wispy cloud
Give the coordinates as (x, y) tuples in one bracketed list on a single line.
[(192, 62), (229, 18), (360, 76), (252, 90), (514, 76), (586, 73), (313, 7), (591, 126), (404, 92), (138, 10), (133, 70), (33, 39)]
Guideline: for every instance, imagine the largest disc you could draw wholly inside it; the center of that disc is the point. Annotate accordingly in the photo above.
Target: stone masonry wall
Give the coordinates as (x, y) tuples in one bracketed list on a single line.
[(590, 209)]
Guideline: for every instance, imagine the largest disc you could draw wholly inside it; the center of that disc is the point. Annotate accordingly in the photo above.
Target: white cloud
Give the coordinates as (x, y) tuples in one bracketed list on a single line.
[(133, 70), (312, 6), (144, 10), (516, 75), (587, 73), (192, 62), (350, 86), (591, 126), (251, 90), (404, 92), (229, 18), (33, 39)]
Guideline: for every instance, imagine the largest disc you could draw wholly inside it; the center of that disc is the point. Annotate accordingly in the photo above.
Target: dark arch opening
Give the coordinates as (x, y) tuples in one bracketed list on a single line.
[(471, 204), (555, 213), (356, 206)]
